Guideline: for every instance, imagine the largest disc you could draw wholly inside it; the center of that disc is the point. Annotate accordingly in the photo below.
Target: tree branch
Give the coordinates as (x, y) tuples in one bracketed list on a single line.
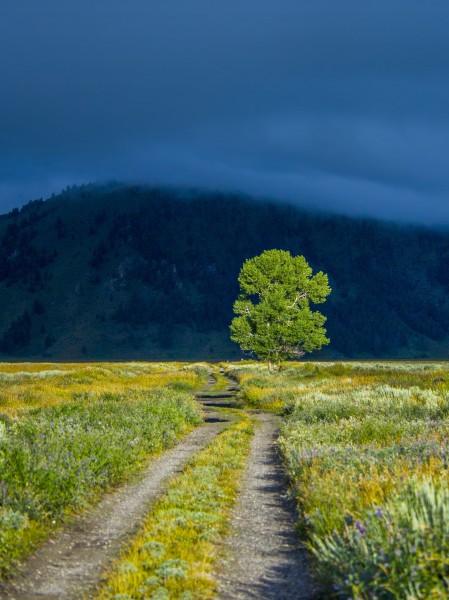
[(298, 298)]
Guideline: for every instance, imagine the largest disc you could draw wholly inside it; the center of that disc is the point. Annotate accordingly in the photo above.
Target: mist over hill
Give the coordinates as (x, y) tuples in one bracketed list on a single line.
[(134, 272)]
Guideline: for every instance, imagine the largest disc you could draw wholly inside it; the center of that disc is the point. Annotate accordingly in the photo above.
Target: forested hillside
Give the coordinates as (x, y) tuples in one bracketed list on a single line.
[(137, 272)]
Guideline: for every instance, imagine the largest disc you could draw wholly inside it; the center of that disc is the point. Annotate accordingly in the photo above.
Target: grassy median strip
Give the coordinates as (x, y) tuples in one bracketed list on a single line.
[(174, 554)]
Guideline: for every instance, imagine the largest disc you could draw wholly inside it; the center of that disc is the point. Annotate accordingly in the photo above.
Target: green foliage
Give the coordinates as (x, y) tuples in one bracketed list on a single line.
[(274, 317), (167, 263)]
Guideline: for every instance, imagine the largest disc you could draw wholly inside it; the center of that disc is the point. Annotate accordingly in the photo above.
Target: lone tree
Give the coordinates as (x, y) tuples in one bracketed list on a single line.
[(274, 317)]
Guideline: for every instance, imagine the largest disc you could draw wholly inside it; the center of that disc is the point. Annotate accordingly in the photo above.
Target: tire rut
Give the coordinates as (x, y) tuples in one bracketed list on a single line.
[(69, 565), (263, 558)]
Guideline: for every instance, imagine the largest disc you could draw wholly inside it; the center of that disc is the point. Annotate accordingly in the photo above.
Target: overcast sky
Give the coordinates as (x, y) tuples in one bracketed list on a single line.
[(332, 103)]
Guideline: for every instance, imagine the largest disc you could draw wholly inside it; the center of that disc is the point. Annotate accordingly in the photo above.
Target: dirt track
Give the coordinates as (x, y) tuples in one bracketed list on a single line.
[(262, 555)]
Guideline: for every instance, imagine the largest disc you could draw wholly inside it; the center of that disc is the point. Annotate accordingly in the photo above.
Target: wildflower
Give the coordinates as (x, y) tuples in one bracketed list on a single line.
[(360, 527)]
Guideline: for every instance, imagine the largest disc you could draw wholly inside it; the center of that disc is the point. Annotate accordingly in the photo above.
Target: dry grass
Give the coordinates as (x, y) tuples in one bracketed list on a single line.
[(26, 386)]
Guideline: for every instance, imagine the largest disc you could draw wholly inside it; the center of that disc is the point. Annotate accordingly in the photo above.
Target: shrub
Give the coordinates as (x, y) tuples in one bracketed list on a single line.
[(397, 551)]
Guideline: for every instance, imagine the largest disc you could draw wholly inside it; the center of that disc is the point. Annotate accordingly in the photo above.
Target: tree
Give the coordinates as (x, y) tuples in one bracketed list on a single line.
[(274, 317)]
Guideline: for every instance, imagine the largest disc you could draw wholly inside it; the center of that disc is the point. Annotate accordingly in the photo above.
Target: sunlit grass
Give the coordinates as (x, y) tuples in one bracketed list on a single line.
[(274, 391), (68, 432), (398, 550), (25, 386), (174, 554), (366, 446)]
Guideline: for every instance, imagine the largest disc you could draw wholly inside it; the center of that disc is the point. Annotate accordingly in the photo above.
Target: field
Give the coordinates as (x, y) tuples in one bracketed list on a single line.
[(68, 432), (365, 446)]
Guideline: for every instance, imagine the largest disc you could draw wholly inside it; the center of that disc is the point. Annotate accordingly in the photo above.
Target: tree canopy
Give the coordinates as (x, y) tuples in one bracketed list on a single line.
[(274, 319)]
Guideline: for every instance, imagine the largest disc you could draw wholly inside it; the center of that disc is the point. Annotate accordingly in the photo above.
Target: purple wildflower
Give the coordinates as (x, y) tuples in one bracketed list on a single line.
[(360, 527)]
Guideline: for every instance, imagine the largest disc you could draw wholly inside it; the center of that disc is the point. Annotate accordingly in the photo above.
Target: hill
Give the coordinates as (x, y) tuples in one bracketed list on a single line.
[(123, 272)]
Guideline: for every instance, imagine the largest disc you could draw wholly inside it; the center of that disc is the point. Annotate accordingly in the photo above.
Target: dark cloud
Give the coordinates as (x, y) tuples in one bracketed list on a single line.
[(342, 105)]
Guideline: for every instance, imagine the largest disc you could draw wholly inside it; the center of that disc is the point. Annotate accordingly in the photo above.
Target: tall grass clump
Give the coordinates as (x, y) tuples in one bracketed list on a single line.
[(398, 551)]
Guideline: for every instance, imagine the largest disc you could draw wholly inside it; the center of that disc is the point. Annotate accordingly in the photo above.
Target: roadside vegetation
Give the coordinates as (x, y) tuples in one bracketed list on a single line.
[(175, 553), (69, 432), (26, 386), (366, 446)]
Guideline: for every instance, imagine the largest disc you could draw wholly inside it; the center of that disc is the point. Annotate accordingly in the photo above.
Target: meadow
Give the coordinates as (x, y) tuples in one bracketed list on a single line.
[(366, 446), (68, 432)]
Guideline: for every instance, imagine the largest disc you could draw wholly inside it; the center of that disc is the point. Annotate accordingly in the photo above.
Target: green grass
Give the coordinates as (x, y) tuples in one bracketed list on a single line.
[(366, 446), (175, 553), (59, 457), (26, 386), (399, 550)]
